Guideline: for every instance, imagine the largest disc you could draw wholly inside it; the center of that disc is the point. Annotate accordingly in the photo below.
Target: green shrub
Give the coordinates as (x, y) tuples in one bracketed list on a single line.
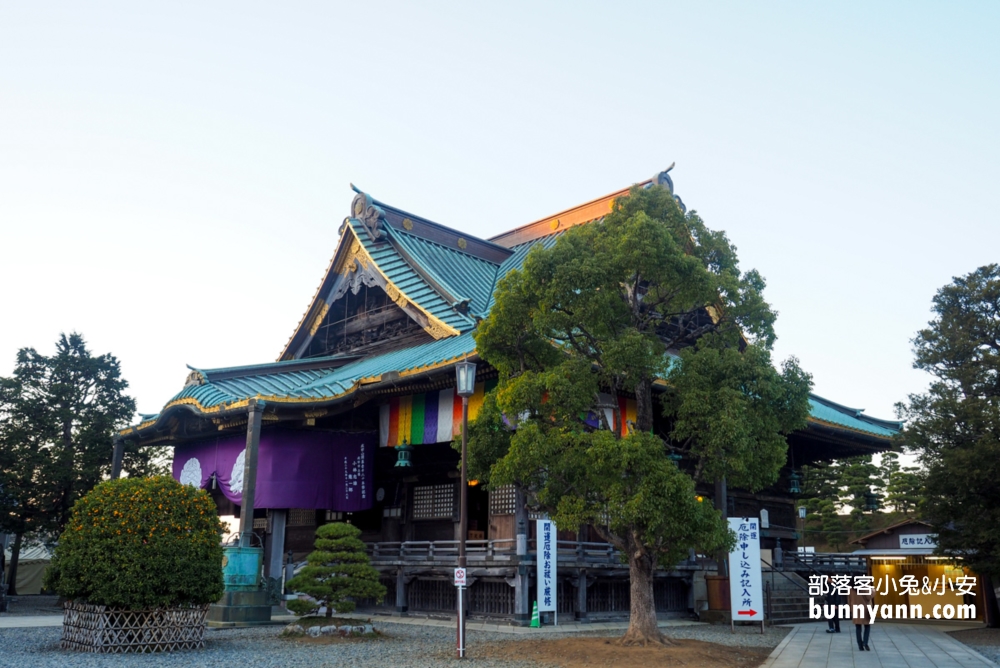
[(337, 574), (139, 543)]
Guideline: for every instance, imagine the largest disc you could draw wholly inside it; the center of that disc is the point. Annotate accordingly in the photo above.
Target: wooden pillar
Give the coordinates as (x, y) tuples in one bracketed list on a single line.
[(276, 553), (402, 604), (581, 595), (522, 578), (117, 455), (254, 414)]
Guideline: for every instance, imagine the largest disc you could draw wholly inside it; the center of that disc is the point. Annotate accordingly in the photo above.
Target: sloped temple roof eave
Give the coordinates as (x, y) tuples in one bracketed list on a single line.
[(351, 249), (355, 249)]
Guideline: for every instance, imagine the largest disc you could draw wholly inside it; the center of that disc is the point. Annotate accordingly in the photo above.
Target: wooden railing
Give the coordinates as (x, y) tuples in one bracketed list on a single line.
[(504, 549), (824, 562)]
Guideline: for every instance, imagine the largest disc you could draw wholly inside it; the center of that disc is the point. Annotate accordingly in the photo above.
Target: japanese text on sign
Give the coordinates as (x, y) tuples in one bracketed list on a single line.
[(546, 535), (745, 588)]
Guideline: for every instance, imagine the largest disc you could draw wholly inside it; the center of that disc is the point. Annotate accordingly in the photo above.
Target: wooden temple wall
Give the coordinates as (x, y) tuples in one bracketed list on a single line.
[(494, 598)]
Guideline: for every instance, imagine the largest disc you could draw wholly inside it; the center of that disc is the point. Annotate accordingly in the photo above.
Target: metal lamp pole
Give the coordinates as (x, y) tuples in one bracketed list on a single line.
[(465, 382)]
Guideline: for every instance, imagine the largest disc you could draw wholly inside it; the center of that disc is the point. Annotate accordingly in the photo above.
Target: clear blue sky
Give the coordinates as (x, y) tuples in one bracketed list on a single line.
[(172, 175)]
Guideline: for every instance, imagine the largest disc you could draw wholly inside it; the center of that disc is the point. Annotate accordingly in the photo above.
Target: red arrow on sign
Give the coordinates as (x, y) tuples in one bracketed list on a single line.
[(750, 612)]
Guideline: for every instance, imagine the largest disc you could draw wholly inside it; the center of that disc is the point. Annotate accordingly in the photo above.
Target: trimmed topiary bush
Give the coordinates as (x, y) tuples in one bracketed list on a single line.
[(140, 543), (337, 574)]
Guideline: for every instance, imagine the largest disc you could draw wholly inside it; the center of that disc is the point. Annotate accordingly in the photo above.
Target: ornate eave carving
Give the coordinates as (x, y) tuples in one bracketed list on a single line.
[(370, 215), (194, 378), (663, 179)]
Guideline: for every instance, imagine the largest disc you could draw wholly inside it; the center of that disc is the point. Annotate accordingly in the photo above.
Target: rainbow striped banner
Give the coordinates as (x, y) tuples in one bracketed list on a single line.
[(432, 417), (436, 417)]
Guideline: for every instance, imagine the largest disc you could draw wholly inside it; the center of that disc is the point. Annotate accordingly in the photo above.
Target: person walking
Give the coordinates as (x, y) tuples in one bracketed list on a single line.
[(835, 599), (861, 626)]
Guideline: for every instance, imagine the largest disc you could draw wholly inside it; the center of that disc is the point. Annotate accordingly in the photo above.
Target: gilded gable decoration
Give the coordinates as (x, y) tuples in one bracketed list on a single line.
[(318, 320), (396, 296), (355, 259)]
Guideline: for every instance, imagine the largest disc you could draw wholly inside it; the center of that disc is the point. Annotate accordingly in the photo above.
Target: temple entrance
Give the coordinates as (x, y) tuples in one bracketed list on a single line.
[(479, 515)]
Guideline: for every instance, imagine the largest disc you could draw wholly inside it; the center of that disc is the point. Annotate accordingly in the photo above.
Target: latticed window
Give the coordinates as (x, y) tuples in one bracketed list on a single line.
[(503, 500), (301, 517), (431, 502)]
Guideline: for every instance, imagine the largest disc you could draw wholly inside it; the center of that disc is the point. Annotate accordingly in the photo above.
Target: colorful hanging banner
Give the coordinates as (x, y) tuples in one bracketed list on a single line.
[(431, 417), (436, 417)]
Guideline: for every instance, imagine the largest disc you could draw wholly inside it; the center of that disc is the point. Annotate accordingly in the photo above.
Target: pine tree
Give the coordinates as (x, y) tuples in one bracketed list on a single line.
[(955, 424), (58, 414), (597, 312), (338, 573), (903, 484)]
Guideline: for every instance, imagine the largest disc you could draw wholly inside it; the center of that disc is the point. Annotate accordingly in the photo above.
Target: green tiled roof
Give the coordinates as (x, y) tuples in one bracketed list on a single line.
[(309, 385), (278, 379), (463, 275), (397, 270), (833, 414)]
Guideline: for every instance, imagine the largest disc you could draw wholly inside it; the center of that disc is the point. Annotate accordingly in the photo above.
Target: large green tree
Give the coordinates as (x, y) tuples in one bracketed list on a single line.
[(647, 299), (904, 485), (58, 414), (837, 496), (955, 424)]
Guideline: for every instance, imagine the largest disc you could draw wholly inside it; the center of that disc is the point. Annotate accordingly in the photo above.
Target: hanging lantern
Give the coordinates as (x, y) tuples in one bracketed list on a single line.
[(465, 378), (403, 451), (794, 482)]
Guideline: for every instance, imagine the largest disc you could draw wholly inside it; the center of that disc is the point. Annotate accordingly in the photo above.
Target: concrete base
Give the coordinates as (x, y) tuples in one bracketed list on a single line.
[(240, 608)]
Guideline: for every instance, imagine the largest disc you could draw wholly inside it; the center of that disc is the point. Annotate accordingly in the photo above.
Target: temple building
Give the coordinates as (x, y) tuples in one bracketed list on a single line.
[(357, 416)]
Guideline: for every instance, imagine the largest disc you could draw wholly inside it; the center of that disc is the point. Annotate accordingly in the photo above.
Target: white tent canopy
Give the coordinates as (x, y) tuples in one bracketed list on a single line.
[(31, 566)]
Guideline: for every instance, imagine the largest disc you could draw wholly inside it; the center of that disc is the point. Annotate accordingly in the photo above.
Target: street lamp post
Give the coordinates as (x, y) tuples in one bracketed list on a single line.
[(465, 385)]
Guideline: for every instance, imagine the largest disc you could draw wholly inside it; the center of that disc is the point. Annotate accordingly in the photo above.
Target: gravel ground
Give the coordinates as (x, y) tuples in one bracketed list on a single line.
[(984, 641), (404, 646)]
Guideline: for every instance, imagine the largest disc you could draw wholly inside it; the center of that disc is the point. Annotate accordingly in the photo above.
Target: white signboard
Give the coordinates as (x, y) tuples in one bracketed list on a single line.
[(459, 577), (746, 591), (546, 565), (912, 541)]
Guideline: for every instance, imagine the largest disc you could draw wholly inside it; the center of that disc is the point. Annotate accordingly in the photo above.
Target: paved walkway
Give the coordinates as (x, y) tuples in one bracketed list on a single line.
[(892, 646), (28, 621)]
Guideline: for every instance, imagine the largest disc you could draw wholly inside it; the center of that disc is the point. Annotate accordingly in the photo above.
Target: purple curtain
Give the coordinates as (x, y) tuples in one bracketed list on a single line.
[(295, 469)]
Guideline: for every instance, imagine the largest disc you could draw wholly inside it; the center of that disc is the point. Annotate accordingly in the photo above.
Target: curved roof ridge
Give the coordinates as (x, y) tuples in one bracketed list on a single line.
[(858, 413), (430, 222)]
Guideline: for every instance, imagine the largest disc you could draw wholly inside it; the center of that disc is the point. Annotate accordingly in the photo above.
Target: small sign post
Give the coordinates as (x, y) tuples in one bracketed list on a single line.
[(745, 587), (546, 577), (460, 582)]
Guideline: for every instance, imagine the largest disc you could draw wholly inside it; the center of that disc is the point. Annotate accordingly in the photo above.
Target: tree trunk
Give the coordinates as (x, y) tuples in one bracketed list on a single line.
[(15, 553), (992, 615), (644, 406), (642, 627), (65, 504)]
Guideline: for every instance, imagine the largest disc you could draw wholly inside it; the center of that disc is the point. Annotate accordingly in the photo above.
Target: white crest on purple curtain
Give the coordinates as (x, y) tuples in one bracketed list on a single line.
[(191, 473), (236, 477)]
